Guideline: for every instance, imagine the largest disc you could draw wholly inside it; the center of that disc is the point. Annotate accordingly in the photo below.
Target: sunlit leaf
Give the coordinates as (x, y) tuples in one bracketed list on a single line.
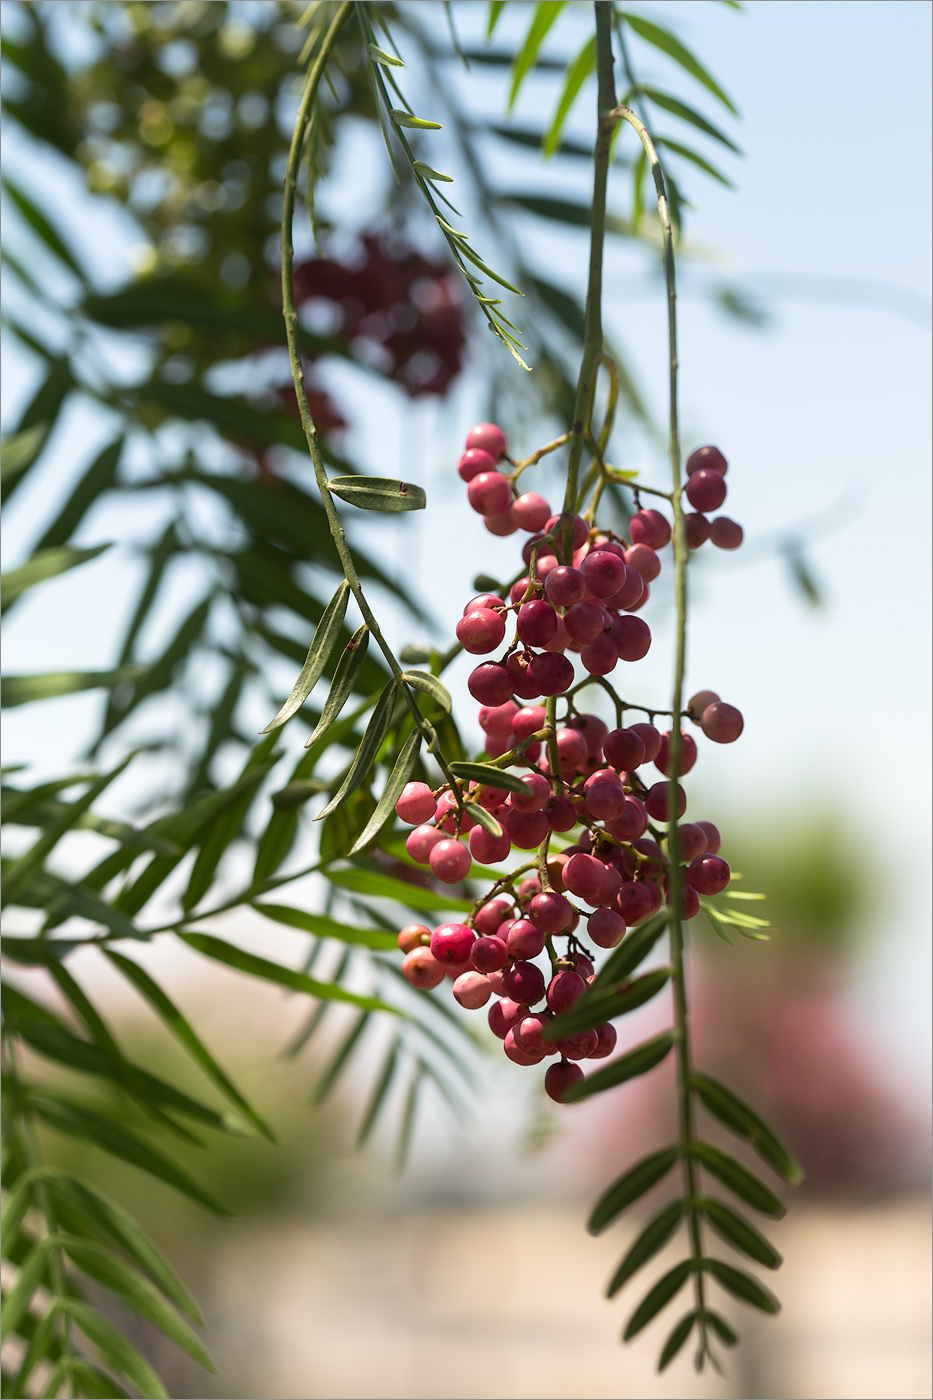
[(422, 680), (485, 775), (668, 43), (325, 639), (379, 886), (543, 18), (577, 73), (377, 493), (365, 756), (21, 690)]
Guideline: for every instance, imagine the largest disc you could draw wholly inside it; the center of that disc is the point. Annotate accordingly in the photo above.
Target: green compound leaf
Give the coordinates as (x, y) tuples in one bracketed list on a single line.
[(577, 73), (740, 1232), (485, 774), (422, 680), (325, 639), (721, 1328), (342, 686), (391, 793), (661, 1294), (593, 1009), (406, 119), (379, 886), (650, 1242), (114, 1347), (323, 927), (484, 819), (238, 958), (544, 16), (686, 114), (365, 756), (742, 1285), (668, 43), (676, 1340), (746, 1123), (739, 1179), (633, 949), (16, 1302), (630, 1186), (638, 1061), (18, 452), (377, 493)]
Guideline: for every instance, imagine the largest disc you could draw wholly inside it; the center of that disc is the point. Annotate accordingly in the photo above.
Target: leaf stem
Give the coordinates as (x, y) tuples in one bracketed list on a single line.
[(681, 554), (315, 73)]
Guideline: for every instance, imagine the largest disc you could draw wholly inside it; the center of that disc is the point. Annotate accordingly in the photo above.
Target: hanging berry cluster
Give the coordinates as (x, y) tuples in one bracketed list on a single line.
[(580, 594)]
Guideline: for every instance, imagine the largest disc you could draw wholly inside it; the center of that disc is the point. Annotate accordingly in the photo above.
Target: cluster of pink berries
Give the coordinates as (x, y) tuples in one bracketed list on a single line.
[(619, 865)]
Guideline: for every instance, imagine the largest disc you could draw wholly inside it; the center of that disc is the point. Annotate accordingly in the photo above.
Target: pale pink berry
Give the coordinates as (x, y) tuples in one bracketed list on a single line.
[(706, 458), (550, 912), (416, 803), (496, 746), (561, 1078), (632, 593), (604, 573), (497, 719), (650, 737), (528, 721), (585, 876), (489, 438), (565, 990), (560, 640), (481, 630), (571, 746), (450, 862), (698, 703), (579, 1047), (531, 511), (447, 815), (651, 528), (452, 944), (565, 586), (413, 936), (602, 775), (472, 990), (593, 729), (474, 461), (555, 526), (631, 637), (643, 559), (421, 842), (529, 1033), (605, 801), (501, 524), (489, 493), (536, 800), (605, 928), (517, 1054), (487, 849), (490, 916), (722, 723), (422, 969)]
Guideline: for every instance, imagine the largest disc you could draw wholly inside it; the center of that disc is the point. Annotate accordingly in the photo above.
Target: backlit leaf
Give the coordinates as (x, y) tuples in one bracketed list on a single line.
[(668, 43), (379, 886), (42, 565), (543, 18), (321, 926), (577, 73)]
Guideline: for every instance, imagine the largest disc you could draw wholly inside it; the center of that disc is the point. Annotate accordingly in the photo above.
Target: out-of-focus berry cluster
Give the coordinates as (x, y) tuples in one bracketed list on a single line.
[(579, 594)]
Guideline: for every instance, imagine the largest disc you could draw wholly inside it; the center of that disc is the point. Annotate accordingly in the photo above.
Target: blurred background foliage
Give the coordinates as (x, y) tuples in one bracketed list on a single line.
[(177, 118)]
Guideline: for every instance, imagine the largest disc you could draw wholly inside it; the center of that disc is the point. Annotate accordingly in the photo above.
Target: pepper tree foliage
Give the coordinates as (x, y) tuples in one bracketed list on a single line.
[(184, 115)]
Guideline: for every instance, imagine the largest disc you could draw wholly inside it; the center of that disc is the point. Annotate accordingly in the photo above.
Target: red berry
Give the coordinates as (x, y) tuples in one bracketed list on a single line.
[(489, 438), (579, 1047), (644, 560), (416, 803), (601, 656), (726, 533), (497, 719), (422, 969), (585, 876), (688, 753), (603, 573), (523, 683), (585, 622), (631, 637), (593, 729), (565, 990), (488, 918), (531, 511), (657, 801), (472, 990), (634, 901), (551, 673), (698, 703), (631, 822), (565, 586), (421, 842), (474, 461), (707, 459), (505, 1014), (481, 631), (561, 814), (606, 1037), (605, 928), (631, 594), (713, 838), (413, 936), (524, 983), (529, 720), (693, 841), (605, 801), (706, 490), (650, 737), (490, 493), (602, 775), (490, 683), (650, 527), (571, 746), (624, 749), (514, 1050), (555, 526), (722, 723), (452, 944), (549, 912), (489, 954), (537, 623), (708, 874), (524, 940), (519, 589), (696, 528), (447, 815), (529, 1032), (560, 1078), (484, 600), (536, 801), (527, 829)]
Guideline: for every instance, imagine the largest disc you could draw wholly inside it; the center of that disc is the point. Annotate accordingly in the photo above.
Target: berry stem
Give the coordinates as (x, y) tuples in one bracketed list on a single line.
[(536, 456), (315, 73), (681, 554)]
